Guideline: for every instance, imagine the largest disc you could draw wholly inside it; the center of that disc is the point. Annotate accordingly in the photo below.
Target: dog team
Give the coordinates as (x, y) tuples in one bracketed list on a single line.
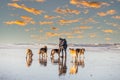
[(76, 54)]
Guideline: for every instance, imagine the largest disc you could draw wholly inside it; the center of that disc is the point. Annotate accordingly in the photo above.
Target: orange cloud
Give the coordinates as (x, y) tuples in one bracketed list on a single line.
[(85, 27), (89, 4), (108, 31), (51, 34), (14, 15), (51, 17), (27, 30), (109, 12), (14, 5), (17, 22), (107, 39), (112, 24), (25, 20), (62, 22), (70, 36), (80, 36), (93, 35), (28, 19), (54, 28), (86, 11), (40, 30), (15, 0), (30, 10), (46, 22), (101, 14), (116, 17), (37, 37), (67, 11), (66, 33), (89, 20), (41, 1), (77, 31)]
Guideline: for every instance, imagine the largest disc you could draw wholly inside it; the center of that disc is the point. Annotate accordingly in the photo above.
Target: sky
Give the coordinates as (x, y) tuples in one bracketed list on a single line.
[(45, 21)]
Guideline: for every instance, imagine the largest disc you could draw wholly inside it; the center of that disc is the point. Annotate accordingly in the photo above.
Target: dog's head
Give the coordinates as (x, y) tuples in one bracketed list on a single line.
[(28, 50), (83, 49), (72, 51)]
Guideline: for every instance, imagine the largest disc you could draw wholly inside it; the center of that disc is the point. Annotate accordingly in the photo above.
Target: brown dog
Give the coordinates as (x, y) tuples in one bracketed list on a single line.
[(53, 51), (80, 52), (29, 53), (43, 51)]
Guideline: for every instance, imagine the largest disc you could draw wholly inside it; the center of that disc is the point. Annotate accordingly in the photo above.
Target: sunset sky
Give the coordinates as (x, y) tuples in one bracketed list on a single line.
[(44, 21)]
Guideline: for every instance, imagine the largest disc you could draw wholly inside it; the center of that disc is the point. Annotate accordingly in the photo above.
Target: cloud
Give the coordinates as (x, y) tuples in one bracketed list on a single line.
[(116, 17), (86, 11), (40, 30), (50, 17), (37, 37), (118, 0), (63, 21), (88, 4), (107, 39), (66, 33), (76, 30), (108, 31), (30, 29), (93, 35), (41, 1), (46, 22), (80, 36), (70, 36), (27, 19), (85, 27), (54, 28), (15, 0), (112, 24), (27, 30), (109, 12), (67, 11), (17, 22), (28, 9), (89, 20), (51, 34), (14, 5), (14, 15)]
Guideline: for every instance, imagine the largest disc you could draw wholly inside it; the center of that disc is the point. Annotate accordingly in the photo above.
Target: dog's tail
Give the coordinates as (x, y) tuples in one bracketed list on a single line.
[(45, 47)]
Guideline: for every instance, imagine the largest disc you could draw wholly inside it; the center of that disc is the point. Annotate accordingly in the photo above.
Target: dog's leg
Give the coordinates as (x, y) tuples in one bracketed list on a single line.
[(26, 55), (62, 54), (42, 54), (52, 53), (59, 54), (65, 52), (46, 54)]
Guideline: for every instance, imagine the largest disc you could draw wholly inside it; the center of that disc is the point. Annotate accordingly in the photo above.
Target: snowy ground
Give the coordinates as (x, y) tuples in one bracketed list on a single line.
[(100, 63)]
